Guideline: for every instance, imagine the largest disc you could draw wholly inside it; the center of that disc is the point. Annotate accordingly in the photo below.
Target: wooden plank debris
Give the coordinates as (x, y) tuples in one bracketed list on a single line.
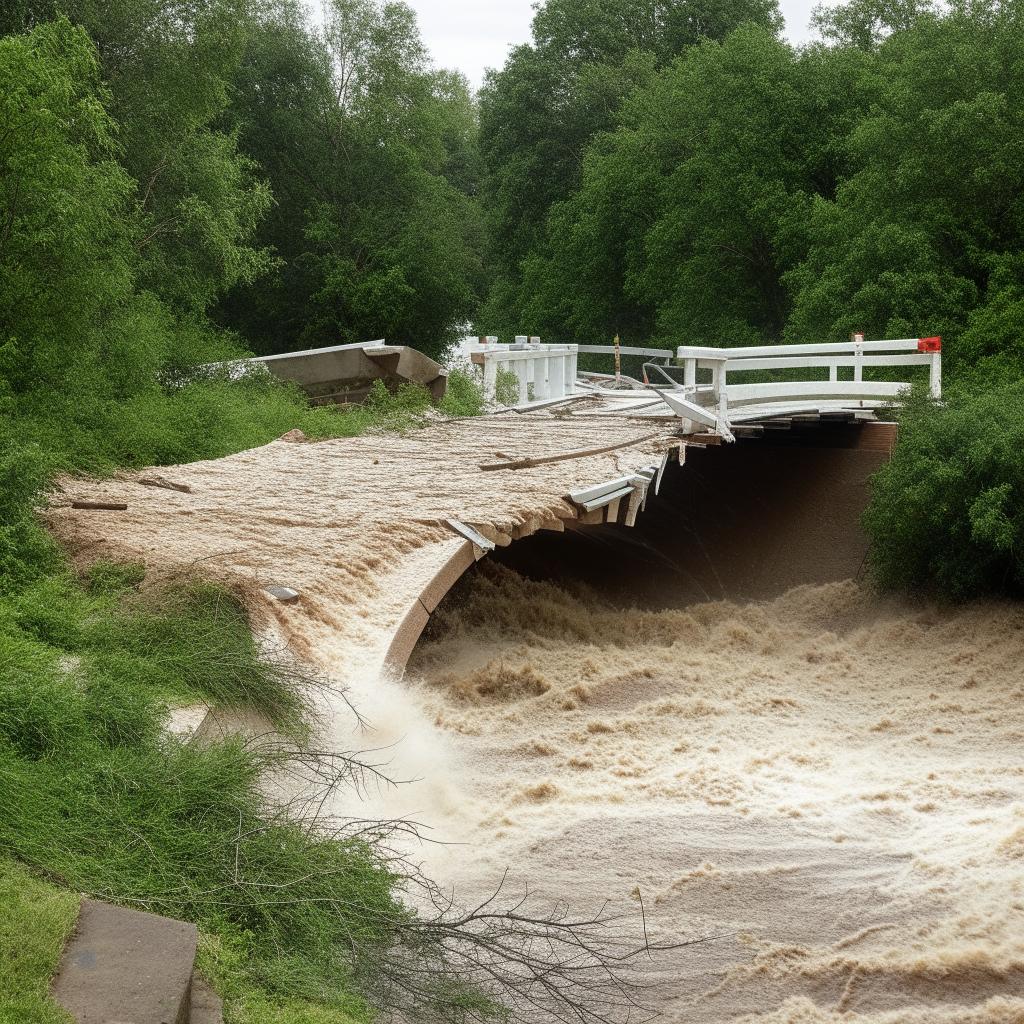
[(578, 453), (549, 403), (162, 481), (101, 506)]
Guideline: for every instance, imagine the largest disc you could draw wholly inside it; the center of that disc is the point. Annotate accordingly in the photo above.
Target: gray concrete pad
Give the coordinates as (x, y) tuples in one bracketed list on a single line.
[(126, 967)]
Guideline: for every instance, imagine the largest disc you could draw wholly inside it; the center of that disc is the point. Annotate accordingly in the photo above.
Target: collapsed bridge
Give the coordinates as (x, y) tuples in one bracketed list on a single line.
[(345, 547)]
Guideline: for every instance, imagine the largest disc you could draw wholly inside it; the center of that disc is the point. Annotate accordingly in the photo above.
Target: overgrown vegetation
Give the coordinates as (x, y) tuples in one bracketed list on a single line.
[(100, 798), (732, 189), (948, 510), (35, 921)]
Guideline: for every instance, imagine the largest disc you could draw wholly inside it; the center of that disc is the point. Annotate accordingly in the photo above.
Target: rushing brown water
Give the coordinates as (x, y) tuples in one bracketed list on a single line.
[(828, 787)]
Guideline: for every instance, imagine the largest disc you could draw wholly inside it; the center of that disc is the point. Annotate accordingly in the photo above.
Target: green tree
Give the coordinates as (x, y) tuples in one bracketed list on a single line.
[(371, 156), (167, 67), (926, 227), (689, 214), (866, 24), (541, 111), (66, 236)]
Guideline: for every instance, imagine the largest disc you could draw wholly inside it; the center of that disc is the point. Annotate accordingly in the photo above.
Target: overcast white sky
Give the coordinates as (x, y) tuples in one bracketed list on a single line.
[(472, 35)]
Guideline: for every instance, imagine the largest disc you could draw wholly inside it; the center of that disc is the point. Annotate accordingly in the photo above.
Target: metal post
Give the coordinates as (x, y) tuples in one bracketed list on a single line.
[(720, 393)]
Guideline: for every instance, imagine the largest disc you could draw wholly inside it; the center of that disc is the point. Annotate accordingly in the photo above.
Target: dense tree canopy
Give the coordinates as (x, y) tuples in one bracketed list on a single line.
[(539, 114), (735, 189), (370, 156), (689, 214), (302, 185), (665, 170), (928, 224)]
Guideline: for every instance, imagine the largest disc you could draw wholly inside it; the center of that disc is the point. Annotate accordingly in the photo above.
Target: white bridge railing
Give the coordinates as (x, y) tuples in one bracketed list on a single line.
[(548, 372), (724, 400), (544, 373)]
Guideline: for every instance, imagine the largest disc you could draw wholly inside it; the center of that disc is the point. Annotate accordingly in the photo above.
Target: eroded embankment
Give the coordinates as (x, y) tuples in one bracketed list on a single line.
[(829, 784)]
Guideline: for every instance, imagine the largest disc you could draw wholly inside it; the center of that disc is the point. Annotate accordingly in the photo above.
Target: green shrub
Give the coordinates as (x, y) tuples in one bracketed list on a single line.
[(464, 396), (506, 387), (947, 512), (26, 549)]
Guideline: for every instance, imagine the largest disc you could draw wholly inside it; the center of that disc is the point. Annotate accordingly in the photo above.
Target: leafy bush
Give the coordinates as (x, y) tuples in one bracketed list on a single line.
[(506, 387), (464, 396), (947, 513)]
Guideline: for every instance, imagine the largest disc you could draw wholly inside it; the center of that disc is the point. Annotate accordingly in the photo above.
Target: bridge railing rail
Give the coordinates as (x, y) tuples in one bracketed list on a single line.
[(547, 373), (721, 396), (833, 356)]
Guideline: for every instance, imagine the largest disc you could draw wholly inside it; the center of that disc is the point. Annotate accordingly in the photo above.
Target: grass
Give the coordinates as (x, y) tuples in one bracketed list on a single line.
[(97, 795), (100, 799), (205, 419), (37, 918)]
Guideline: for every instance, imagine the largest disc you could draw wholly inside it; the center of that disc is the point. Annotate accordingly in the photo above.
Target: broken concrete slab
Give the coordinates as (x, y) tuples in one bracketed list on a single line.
[(185, 722), (346, 373)]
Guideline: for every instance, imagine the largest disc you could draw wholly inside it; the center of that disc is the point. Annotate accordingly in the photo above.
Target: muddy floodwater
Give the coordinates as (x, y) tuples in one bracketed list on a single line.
[(827, 786)]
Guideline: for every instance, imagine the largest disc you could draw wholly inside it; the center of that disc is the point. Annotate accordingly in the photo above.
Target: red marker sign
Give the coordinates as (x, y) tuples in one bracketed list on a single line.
[(929, 344)]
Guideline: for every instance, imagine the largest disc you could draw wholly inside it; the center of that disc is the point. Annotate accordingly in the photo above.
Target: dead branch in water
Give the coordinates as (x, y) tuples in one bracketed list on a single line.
[(513, 956), (531, 957)]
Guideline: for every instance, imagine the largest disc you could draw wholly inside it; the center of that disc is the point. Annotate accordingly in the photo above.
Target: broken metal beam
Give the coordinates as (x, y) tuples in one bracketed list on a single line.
[(482, 543)]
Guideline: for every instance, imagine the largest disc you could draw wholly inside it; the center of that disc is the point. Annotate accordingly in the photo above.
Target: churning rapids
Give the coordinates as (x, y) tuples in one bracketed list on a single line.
[(828, 786)]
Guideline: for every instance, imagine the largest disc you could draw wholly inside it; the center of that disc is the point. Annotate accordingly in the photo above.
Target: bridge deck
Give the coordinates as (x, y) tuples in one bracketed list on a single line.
[(355, 525)]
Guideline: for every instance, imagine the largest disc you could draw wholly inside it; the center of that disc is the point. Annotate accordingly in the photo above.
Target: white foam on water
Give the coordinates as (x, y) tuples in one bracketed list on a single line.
[(828, 785)]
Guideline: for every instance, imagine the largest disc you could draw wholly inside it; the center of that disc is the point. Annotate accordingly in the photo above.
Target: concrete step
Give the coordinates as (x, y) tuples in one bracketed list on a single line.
[(129, 967)]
